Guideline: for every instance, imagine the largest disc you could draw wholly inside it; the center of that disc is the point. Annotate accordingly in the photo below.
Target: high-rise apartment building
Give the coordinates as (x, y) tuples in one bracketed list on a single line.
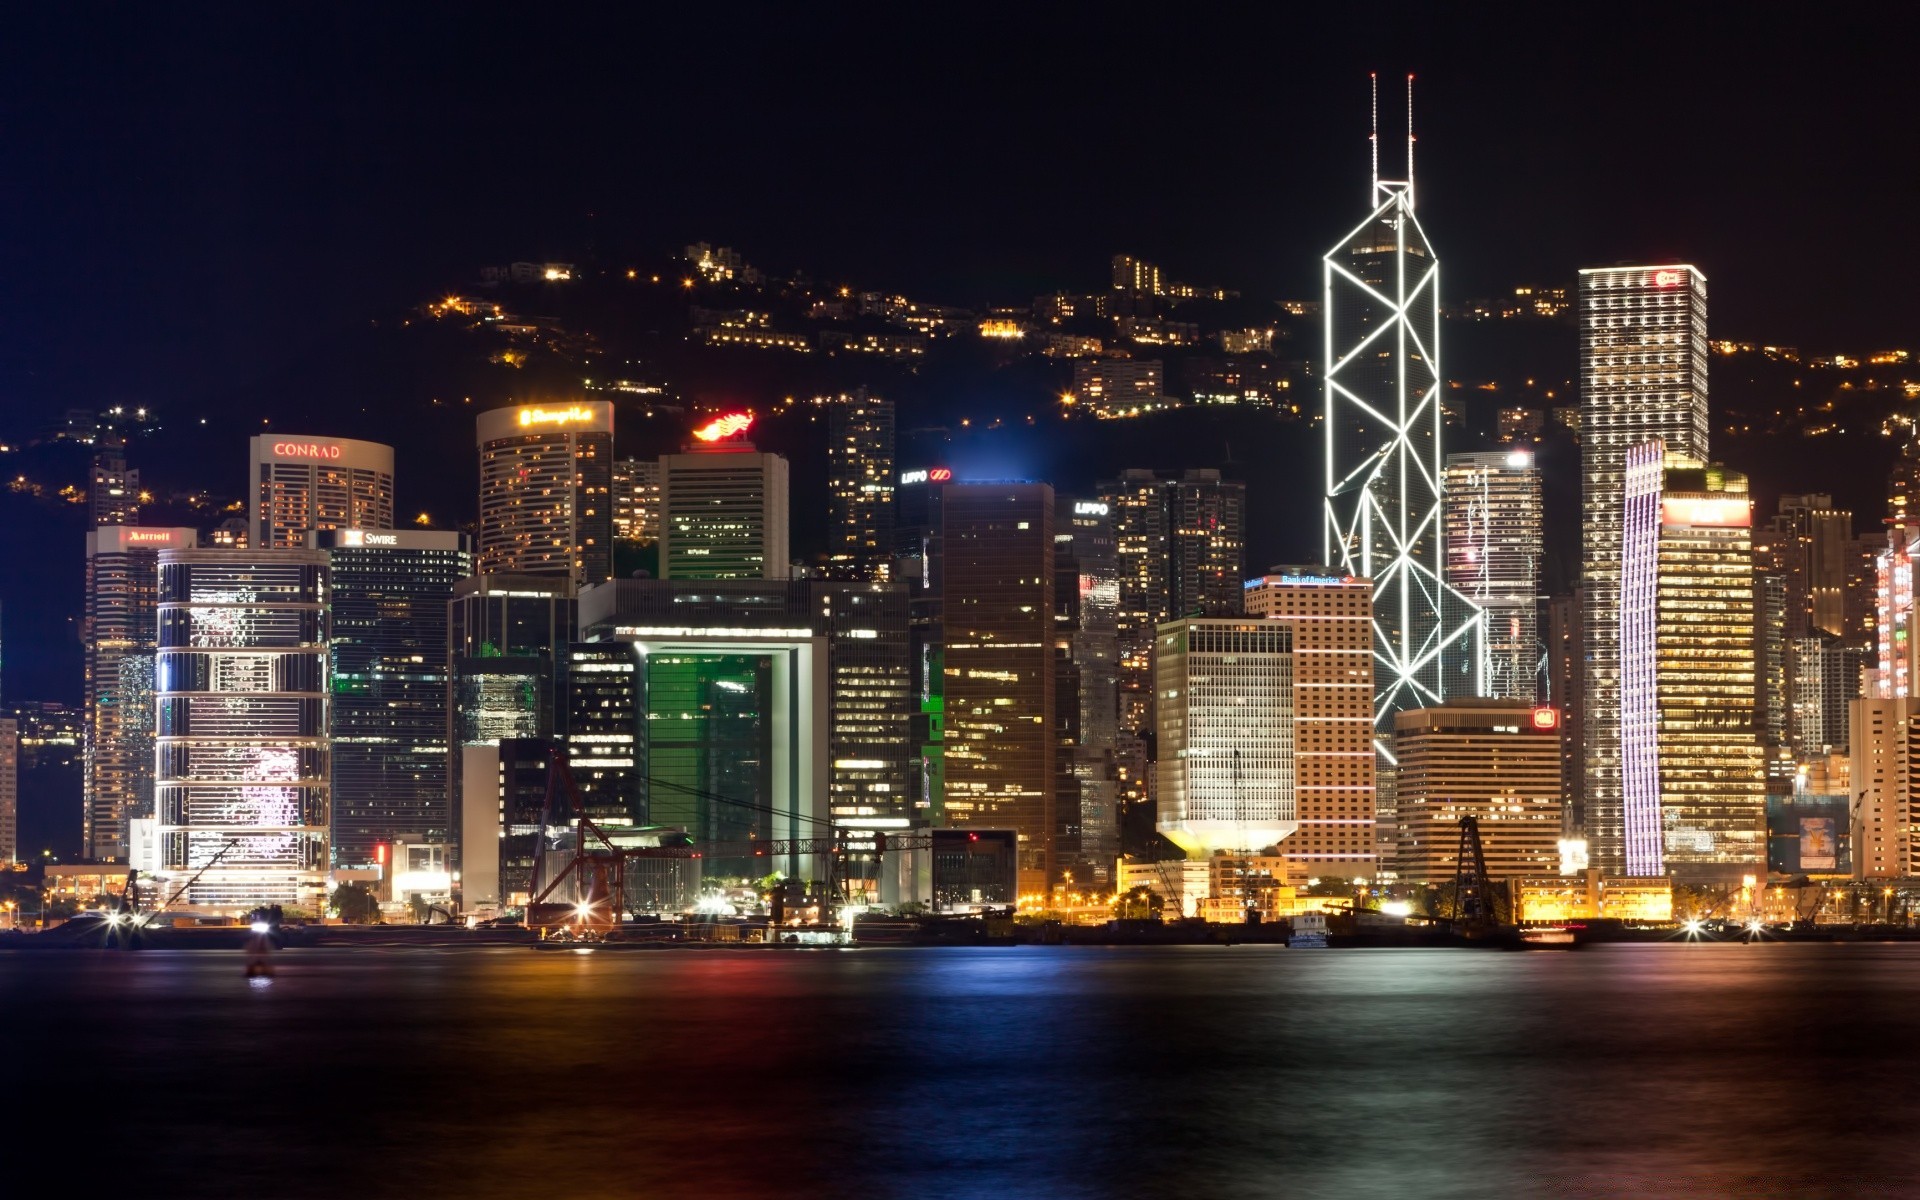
[(1643, 376), (636, 500), (301, 484), (724, 511), (1136, 275), (1883, 773), (241, 781), (546, 490), (392, 681), (1826, 681), (860, 483), (119, 635), (1497, 761), (1383, 420), (1694, 786), (1330, 617), (1227, 725), (1495, 536), (114, 494), (997, 573), (1119, 387)]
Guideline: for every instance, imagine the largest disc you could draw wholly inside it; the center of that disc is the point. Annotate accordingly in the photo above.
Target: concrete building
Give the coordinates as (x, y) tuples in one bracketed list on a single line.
[(1330, 617), (301, 483), (114, 494), (997, 576), (241, 782), (119, 635), (1497, 761), (1086, 605), (392, 682), (546, 490), (1227, 723), (1643, 376), (1826, 676), (1694, 772), (1120, 387)]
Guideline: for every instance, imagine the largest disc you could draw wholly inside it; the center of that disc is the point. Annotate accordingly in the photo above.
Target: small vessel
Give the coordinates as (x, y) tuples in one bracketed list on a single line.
[(1548, 938), (1309, 932)]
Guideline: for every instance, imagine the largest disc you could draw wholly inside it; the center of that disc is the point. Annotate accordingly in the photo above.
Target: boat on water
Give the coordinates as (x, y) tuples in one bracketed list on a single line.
[(1309, 932), (1548, 938)]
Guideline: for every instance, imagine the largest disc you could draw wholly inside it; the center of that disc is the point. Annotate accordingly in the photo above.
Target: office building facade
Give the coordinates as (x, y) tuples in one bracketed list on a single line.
[(9, 791), (301, 483), (1227, 723), (241, 786), (724, 513), (1694, 788), (546, 491), (997, 574), (1497, 761), (392, 684), (1495, 537), (1330, 618), (119, 636), (636, 500), (1086, 604), (1643, 376)]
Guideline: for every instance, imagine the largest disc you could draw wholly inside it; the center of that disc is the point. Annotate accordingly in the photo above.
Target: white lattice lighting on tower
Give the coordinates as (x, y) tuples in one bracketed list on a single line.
[(1383, 453)]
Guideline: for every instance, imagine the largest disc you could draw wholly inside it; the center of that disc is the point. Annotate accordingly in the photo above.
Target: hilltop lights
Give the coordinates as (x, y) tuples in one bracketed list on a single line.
[(726, 426)]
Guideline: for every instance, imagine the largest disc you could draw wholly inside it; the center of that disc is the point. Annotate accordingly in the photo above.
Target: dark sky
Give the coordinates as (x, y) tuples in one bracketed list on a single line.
[(191, 194)]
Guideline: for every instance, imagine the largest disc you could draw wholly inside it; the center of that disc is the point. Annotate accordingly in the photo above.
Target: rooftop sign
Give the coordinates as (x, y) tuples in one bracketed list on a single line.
[(722, 427)]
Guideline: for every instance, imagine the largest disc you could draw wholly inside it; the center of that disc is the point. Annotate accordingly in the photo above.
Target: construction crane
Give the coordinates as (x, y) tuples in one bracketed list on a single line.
[(1472, 890)]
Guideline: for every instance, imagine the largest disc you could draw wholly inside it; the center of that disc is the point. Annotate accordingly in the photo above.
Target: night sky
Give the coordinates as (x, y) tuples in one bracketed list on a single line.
[(197, 200)]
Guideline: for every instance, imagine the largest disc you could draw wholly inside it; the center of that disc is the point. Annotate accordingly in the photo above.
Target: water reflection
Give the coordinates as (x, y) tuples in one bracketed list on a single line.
[(1245, 1071)]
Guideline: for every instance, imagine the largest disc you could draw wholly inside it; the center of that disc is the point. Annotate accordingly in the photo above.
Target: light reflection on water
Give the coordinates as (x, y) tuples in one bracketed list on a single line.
[(1204, 1071)]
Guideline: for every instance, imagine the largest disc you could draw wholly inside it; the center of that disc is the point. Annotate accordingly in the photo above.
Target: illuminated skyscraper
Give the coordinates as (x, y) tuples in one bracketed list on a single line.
[(1226, 733), (1331, 620), (1495, 537), (241, 781), (391, 685), (1383, 454), (119, 634), (1086, 603), (9, 791), (546, 491), (301, 484), (860, 482), (1181, 548), (1694, 787), (724, 507), (1497, 761), (1643, 376), (998, 576)]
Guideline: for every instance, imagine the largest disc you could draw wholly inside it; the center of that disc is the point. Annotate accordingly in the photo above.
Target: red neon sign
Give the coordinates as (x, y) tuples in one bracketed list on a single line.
[(730, 425), (1546, 718), (939, 474), (1666, 279)]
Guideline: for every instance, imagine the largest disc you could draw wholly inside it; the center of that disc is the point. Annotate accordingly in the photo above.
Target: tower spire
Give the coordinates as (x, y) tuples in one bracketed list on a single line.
[(1373, 138), (1410, 195)]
